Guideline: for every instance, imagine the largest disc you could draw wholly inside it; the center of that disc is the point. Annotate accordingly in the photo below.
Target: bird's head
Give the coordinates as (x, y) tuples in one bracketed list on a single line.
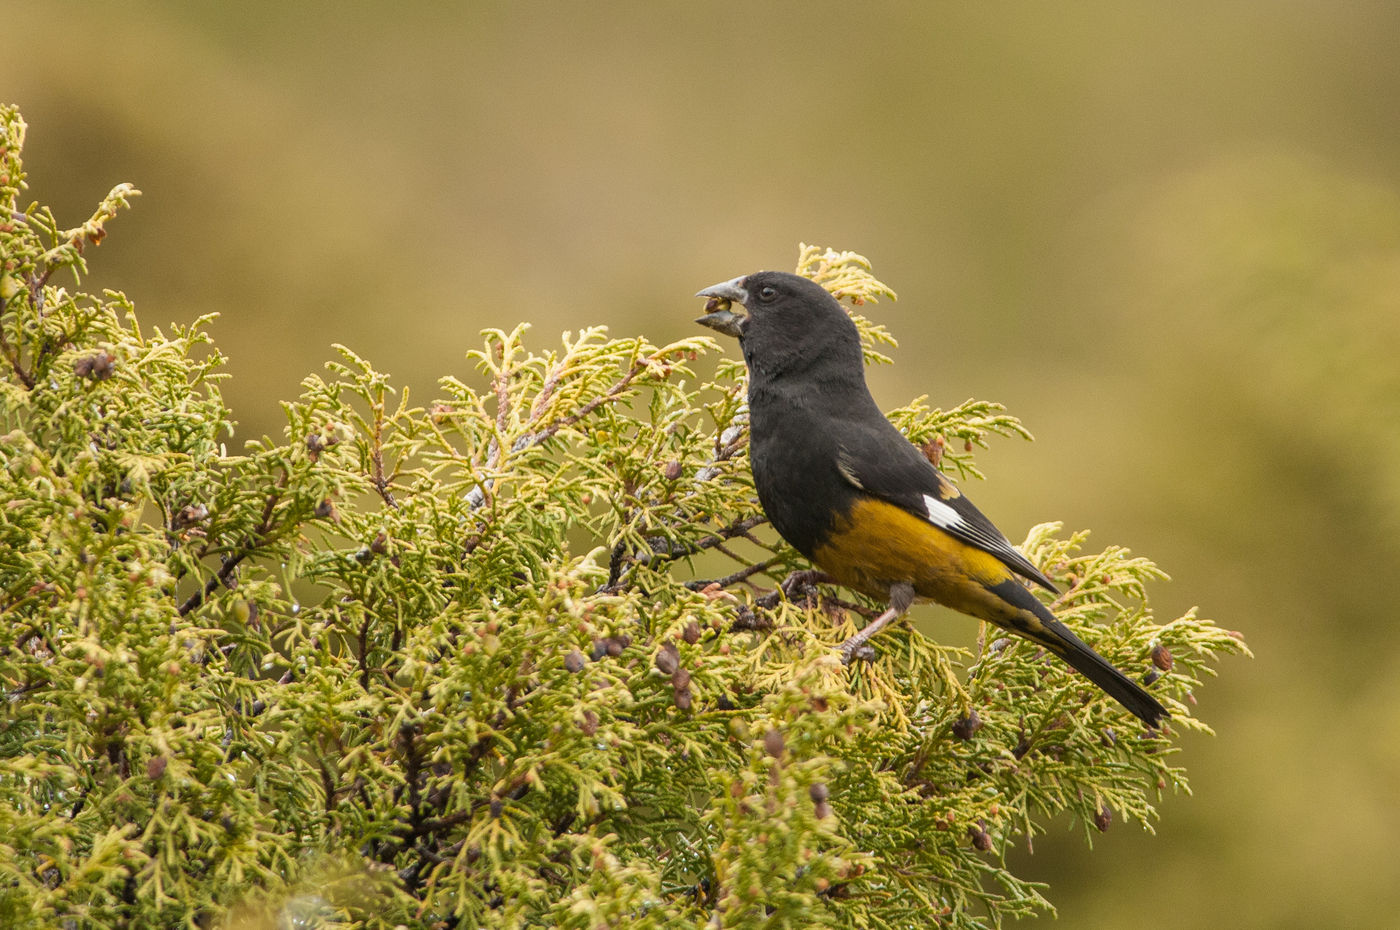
[(786, 318)]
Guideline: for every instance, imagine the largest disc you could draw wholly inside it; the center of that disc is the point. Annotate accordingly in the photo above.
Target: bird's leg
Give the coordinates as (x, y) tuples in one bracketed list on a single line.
[(901, 596), (796, 581)]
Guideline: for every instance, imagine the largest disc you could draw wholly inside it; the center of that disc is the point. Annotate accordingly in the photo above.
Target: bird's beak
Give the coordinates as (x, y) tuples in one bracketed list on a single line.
[(718, 315)]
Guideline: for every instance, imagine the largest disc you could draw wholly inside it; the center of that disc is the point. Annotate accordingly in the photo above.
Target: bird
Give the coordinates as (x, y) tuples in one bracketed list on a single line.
[(854, 496)]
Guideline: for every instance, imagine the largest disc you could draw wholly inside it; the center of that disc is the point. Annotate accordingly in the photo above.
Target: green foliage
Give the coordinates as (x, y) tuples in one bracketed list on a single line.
[(447, 665)]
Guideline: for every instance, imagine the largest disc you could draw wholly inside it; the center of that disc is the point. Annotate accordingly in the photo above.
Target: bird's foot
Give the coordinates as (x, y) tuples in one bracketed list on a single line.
[(796, 581), (856, 648), (858, 651)]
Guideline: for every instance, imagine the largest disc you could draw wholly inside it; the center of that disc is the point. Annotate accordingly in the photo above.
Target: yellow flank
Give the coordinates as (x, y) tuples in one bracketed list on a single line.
[(877, 544)]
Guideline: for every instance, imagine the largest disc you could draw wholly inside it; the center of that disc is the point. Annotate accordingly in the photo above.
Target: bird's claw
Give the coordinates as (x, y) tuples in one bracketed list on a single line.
[(850, 652)]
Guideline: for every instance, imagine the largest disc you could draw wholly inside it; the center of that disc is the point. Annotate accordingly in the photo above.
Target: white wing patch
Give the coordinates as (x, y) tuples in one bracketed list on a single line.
[(941, 515), (988, 539)]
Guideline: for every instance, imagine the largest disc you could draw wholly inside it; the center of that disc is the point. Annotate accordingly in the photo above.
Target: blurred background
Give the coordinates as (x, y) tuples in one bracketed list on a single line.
[(1168, 240)]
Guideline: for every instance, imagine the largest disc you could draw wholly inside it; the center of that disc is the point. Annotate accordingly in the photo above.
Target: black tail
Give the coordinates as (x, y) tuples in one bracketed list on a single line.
[(1098, 670), (1059, 639)]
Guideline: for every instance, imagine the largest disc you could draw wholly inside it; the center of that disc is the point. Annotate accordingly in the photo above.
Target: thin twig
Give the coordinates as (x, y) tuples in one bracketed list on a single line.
[(662, 548), (12, 356), (380, 482), (232, 561), (742, 574), (477, 496)]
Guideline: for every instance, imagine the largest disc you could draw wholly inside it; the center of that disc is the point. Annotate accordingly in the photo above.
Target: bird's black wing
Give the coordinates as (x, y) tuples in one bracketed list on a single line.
[(880, 461)]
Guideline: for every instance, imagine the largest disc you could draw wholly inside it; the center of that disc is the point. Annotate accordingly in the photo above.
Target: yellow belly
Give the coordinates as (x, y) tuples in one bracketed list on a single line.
[(877, 545)]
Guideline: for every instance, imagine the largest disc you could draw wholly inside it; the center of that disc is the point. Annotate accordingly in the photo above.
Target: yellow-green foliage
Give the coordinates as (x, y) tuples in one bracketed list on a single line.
[(450, 665)]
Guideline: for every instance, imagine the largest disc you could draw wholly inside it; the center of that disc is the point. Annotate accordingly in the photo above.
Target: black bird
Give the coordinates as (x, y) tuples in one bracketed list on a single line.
[(853, 495)]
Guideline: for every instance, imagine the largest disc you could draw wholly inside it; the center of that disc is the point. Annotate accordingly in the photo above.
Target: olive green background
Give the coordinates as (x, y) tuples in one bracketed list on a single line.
[(1167, 239)]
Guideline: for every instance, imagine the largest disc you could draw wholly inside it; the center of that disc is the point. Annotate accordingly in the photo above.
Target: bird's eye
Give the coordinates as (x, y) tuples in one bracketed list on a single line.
[(767, 292)]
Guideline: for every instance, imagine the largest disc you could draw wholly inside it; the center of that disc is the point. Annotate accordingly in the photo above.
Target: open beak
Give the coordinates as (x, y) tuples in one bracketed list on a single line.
[(718, 315)]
